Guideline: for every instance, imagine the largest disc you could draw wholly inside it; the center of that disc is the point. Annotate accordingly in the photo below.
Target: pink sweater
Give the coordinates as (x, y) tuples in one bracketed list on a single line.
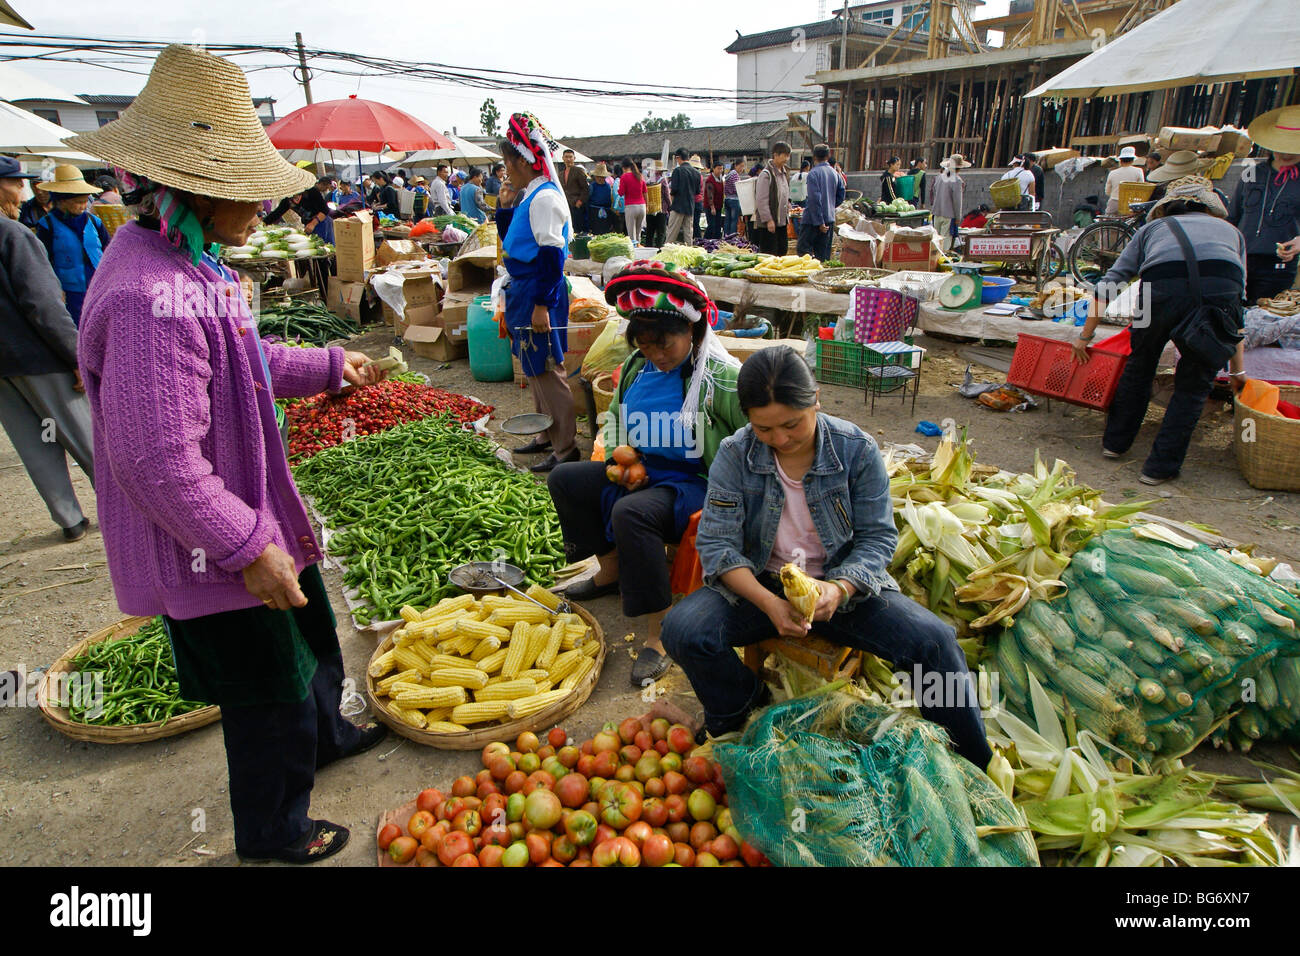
[(190, 472)]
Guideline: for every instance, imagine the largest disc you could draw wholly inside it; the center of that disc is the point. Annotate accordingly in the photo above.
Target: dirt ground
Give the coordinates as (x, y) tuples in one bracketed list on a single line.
[(165, 803)]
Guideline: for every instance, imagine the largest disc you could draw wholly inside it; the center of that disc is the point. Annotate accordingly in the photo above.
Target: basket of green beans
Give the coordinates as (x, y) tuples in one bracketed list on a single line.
[(119, 686)]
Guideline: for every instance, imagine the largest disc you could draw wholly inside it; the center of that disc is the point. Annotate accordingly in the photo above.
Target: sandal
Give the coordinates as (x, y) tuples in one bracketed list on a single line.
[(322, 840), (649, 665)]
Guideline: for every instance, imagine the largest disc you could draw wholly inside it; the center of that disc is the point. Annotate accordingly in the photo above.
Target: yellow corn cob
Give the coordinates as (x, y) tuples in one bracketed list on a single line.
[(800, 590), (438, 713), (445, 727), (432, 697), (424, 649), (591, 648), (544, 685), (449, 660), (485, 647), (564, 665), (470, 677), (480, 711), (547, 657), (385, 685), (403, 636), (538, 638), (412, 717), (507, 616), (535, 673), (515, 652), (531, 705), (449, 605), (507, 690), (539, 593), (479, 630), (382, 664), (492, 663), (409, 614), (408, 659), (583, 669), (408, 687), (461, 644)]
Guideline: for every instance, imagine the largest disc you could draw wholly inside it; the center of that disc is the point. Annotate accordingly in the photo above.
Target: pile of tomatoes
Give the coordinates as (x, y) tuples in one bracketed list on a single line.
[(633, 795), (324, 421)]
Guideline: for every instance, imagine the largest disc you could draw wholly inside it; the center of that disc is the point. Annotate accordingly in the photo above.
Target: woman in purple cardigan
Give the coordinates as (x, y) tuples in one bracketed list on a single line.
[(200, 516)]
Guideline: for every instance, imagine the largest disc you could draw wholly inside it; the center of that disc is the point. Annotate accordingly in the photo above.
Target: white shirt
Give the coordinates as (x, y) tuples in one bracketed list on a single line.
[(547, 214), (439, 198), (1124, 174)]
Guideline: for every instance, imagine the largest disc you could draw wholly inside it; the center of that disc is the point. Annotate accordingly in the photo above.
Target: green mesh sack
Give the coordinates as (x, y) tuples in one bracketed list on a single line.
[(1156, 648), (831, 780)]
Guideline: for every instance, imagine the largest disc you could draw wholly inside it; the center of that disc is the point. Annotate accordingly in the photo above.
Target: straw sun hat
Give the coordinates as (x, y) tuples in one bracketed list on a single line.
[(1278, 131), (68, 181), (193, 127), (1182, 163), (1195, 189)]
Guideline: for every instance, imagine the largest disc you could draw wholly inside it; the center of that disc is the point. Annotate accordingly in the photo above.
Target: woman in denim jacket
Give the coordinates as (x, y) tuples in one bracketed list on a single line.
[(796, 485)]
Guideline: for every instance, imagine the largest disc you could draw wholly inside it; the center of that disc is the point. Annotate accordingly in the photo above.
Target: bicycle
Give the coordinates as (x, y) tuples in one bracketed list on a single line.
[(1101, 243)]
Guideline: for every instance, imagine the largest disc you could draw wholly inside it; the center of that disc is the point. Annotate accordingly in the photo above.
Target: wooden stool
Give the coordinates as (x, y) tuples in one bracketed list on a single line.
[(831, 661)]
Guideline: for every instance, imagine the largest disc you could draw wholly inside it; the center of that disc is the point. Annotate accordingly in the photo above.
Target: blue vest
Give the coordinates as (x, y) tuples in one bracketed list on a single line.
[(71, 251), (519, 243)]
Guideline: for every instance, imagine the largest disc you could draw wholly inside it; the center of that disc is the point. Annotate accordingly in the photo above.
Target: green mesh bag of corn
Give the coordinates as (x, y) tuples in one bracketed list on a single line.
[(832, 780), (1157, 647)]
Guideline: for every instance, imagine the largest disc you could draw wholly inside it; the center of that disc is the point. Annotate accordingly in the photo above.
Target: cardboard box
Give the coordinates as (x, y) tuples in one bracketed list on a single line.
[(354, 246), (436, 342), (1235, 141), (359, 303), (416, 316), (475, 270), (858, 252), (1048, 158), (905, 249), (398, 250), (1180, 137)]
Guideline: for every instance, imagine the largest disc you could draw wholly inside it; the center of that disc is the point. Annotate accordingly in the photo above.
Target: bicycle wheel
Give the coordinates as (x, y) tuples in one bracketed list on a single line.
[(1055, 263), (1096, 250)]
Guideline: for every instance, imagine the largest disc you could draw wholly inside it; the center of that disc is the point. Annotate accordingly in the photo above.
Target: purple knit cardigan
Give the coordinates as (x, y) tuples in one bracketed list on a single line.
[(190, 471)]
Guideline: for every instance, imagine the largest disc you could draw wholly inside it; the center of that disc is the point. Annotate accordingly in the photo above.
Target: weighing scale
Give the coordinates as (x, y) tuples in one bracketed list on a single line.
[(964, 289)]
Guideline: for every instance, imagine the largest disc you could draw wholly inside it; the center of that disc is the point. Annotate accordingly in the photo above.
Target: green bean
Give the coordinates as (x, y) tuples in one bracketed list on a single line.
[(139, 678)]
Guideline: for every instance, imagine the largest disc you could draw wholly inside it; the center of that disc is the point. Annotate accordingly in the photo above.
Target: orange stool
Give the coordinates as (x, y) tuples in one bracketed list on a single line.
[(687, 575)]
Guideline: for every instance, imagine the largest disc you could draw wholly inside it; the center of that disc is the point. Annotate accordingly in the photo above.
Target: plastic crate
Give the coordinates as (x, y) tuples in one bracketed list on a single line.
[(846, 363), (1047, 367)]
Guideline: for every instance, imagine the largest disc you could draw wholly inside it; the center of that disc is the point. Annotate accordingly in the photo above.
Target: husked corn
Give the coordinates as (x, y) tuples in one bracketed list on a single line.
[(382, 664), (514, 661), (409, 614), (547, 657), (584, 668), (506, 616), (480, 630), (480, 711), (490, 602), (492, 663), (445, 727), (385, 685), (539, 593), (544, 685), (449, 660), (564, 665), (407, 659), (461, 644), (428, 697), (530, 705), (424, 649), (489, 645), (470, 677), (507, 690), (412, 717), (448, 605), (590, 648), (535, 673), (537, 640)]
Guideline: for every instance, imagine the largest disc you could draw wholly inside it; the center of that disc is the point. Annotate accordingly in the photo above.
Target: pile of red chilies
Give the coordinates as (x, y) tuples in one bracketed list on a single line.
[(324, 421)]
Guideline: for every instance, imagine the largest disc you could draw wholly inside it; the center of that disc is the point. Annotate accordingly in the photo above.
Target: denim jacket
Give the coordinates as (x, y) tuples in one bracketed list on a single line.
[(848, 496)]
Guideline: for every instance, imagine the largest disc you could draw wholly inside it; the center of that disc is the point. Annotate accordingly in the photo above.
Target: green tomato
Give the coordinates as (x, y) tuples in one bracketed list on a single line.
[(516, 855), (515, 807)]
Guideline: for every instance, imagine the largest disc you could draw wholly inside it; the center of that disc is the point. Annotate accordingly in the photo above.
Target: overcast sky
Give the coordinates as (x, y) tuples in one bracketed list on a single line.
[(681, 43)]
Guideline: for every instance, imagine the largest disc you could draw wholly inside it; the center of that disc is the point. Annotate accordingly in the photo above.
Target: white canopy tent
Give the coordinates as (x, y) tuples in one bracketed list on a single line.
[(16, 85), (26, 133), (341, 161), (1193, 41), (9, 17), (463, 152)]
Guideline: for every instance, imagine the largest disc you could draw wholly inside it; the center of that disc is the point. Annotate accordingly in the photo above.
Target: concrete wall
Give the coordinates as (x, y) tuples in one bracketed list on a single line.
[(784, 68), (1061, 197)]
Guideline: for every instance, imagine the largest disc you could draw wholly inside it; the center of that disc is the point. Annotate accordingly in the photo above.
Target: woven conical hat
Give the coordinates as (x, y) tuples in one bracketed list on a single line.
[(193, 127)]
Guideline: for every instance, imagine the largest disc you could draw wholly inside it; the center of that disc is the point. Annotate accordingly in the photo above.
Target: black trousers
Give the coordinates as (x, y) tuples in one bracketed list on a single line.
[(1264, 279), (642, 522), (1169, 304), (656, 229), (774, 243), (272, 752)]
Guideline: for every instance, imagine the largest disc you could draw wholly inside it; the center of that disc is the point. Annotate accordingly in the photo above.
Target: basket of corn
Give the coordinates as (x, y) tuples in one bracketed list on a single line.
[(469, 670), (783, 270)]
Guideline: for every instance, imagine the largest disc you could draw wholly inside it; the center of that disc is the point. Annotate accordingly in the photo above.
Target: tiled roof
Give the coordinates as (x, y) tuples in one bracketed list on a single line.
[(741, 139), (813, 31)]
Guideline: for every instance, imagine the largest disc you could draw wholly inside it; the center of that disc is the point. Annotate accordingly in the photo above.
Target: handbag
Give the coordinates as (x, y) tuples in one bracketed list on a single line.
[(1208, 334)]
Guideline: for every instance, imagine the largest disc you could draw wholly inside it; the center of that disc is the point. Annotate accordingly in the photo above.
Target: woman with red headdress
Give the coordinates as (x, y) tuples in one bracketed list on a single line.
[(536, 233)]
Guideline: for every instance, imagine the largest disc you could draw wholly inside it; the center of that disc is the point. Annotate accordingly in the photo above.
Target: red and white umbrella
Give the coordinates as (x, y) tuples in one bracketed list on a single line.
[(354, 125)]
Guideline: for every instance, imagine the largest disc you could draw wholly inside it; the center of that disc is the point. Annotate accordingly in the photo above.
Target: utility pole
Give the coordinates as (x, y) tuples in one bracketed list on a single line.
[(304, 77)]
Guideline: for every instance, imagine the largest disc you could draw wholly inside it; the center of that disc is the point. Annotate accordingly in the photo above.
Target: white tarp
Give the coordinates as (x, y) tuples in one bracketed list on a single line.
[(1194, 41), (17, 85), (24, 132), (462, 150)]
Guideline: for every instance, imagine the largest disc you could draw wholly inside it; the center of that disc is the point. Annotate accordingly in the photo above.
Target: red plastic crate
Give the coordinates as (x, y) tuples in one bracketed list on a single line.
[(1047, 367)]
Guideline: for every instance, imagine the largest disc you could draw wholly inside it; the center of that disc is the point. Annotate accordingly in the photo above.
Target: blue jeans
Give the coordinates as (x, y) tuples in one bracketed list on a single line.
[(730, 214), (701, 631)]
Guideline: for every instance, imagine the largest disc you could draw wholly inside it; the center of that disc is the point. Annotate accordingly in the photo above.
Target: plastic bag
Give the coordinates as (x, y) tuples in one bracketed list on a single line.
[(607, 353)]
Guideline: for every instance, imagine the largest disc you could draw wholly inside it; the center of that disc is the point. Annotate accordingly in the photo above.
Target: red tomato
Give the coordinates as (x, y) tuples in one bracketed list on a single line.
[(389, 833), (701, 834), (455, 845), (563, 849), (558, 737), (625, 455), (683, 855), (619, 851), (751, 855), (657, 850), (638, 832), (402, 850), (724, 848), (654, 811), (466, 859), (539, 780), (539, 846), (515, 782), (463, 786), (490, 855), (468, 821), (428, 800), (420, 821), (527, 742), (426, 857)]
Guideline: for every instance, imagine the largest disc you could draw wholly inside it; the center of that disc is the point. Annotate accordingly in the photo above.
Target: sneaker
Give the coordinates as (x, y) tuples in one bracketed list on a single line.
[(649, 665), (1107, 453), (77, 531), (1152, 480)]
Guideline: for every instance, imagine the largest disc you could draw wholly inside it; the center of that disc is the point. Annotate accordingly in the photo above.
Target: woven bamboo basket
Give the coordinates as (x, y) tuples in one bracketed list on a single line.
[(478, 737), (112, 216), (58, 718), (1272, 460), (755, 276), (603, 390)]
